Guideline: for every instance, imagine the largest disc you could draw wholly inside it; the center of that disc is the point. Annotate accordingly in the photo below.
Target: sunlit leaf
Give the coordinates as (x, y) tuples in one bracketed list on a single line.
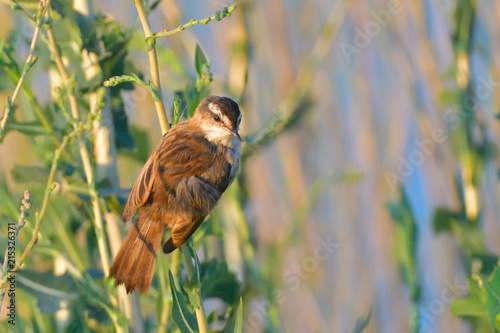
[(185, 320), (192, 289), (199, 59), (492, 287), (238, 326)]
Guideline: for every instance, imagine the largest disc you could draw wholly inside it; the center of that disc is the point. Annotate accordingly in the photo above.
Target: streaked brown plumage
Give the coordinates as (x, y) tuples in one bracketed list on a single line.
[(179, 185)]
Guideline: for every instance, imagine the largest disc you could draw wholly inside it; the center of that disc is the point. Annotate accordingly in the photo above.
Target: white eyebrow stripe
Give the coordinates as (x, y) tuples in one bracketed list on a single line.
[(214, 108), (226, 120)]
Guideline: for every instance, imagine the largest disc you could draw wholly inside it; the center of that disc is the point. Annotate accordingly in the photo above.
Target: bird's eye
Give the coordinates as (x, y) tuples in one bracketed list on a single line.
[(216, 118)]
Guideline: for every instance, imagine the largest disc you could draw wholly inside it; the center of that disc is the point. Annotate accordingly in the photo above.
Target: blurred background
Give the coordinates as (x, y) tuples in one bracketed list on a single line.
[(370, 183)]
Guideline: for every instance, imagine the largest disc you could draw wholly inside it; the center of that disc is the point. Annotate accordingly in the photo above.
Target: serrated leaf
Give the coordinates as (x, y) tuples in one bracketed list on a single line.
[(184, 319), (192, 289), (199, 59), (492, 287)]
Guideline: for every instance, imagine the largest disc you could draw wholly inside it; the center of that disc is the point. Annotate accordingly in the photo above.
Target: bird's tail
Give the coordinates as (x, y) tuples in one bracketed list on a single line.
[(134, 264)]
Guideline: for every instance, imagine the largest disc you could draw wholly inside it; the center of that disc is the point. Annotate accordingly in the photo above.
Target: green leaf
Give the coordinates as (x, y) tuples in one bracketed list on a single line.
[(492, 287), (405, 242), (184, 319), (28, 128), (472, 306), (217, 281), (199, 59), (123, 320), (238, 326), (192, 289), (362, 322), (443, 220), (235, 319)]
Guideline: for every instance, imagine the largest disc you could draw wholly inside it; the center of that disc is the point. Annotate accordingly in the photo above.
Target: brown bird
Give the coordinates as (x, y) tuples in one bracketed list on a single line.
[(194, 163)]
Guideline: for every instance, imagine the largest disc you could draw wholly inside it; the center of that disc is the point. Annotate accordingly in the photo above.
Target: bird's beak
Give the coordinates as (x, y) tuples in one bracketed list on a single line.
[(234, 131)]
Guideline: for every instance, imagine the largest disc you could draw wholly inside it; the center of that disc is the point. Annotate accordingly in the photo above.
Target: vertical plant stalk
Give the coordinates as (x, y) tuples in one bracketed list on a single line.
[(200, 311), (87, 166), (153, 63), (166, 302), (160, 108), (30, 61), (98, 222), (105, 153)]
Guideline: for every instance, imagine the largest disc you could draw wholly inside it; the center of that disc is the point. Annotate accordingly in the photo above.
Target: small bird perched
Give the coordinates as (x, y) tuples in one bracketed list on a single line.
[(194, 163)]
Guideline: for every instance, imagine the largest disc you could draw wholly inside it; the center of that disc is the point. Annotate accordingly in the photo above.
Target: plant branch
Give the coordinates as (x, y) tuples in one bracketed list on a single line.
[(153, 64), (219, 15), (30, 61), (87, 166), (116, 80)]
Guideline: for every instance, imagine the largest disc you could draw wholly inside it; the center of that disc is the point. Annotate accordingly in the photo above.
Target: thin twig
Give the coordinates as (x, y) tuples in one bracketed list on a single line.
[(116, 80), (30, 61), (219, 15), (153, 64)]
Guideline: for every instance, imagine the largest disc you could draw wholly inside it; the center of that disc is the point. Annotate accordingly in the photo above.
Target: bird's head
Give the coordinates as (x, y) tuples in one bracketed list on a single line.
[(219, 118)]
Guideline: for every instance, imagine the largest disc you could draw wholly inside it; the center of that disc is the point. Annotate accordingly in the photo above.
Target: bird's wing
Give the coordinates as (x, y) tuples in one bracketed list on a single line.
[(142, 188), (183, 155), (179, 155)]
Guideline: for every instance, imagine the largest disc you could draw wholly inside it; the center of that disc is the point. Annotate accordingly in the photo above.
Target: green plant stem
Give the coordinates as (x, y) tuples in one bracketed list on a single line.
[(217, 17), (153, 64), (166, 301), (96, 208), (30, 61), (116, 80), (87, 166), (200, 311)]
